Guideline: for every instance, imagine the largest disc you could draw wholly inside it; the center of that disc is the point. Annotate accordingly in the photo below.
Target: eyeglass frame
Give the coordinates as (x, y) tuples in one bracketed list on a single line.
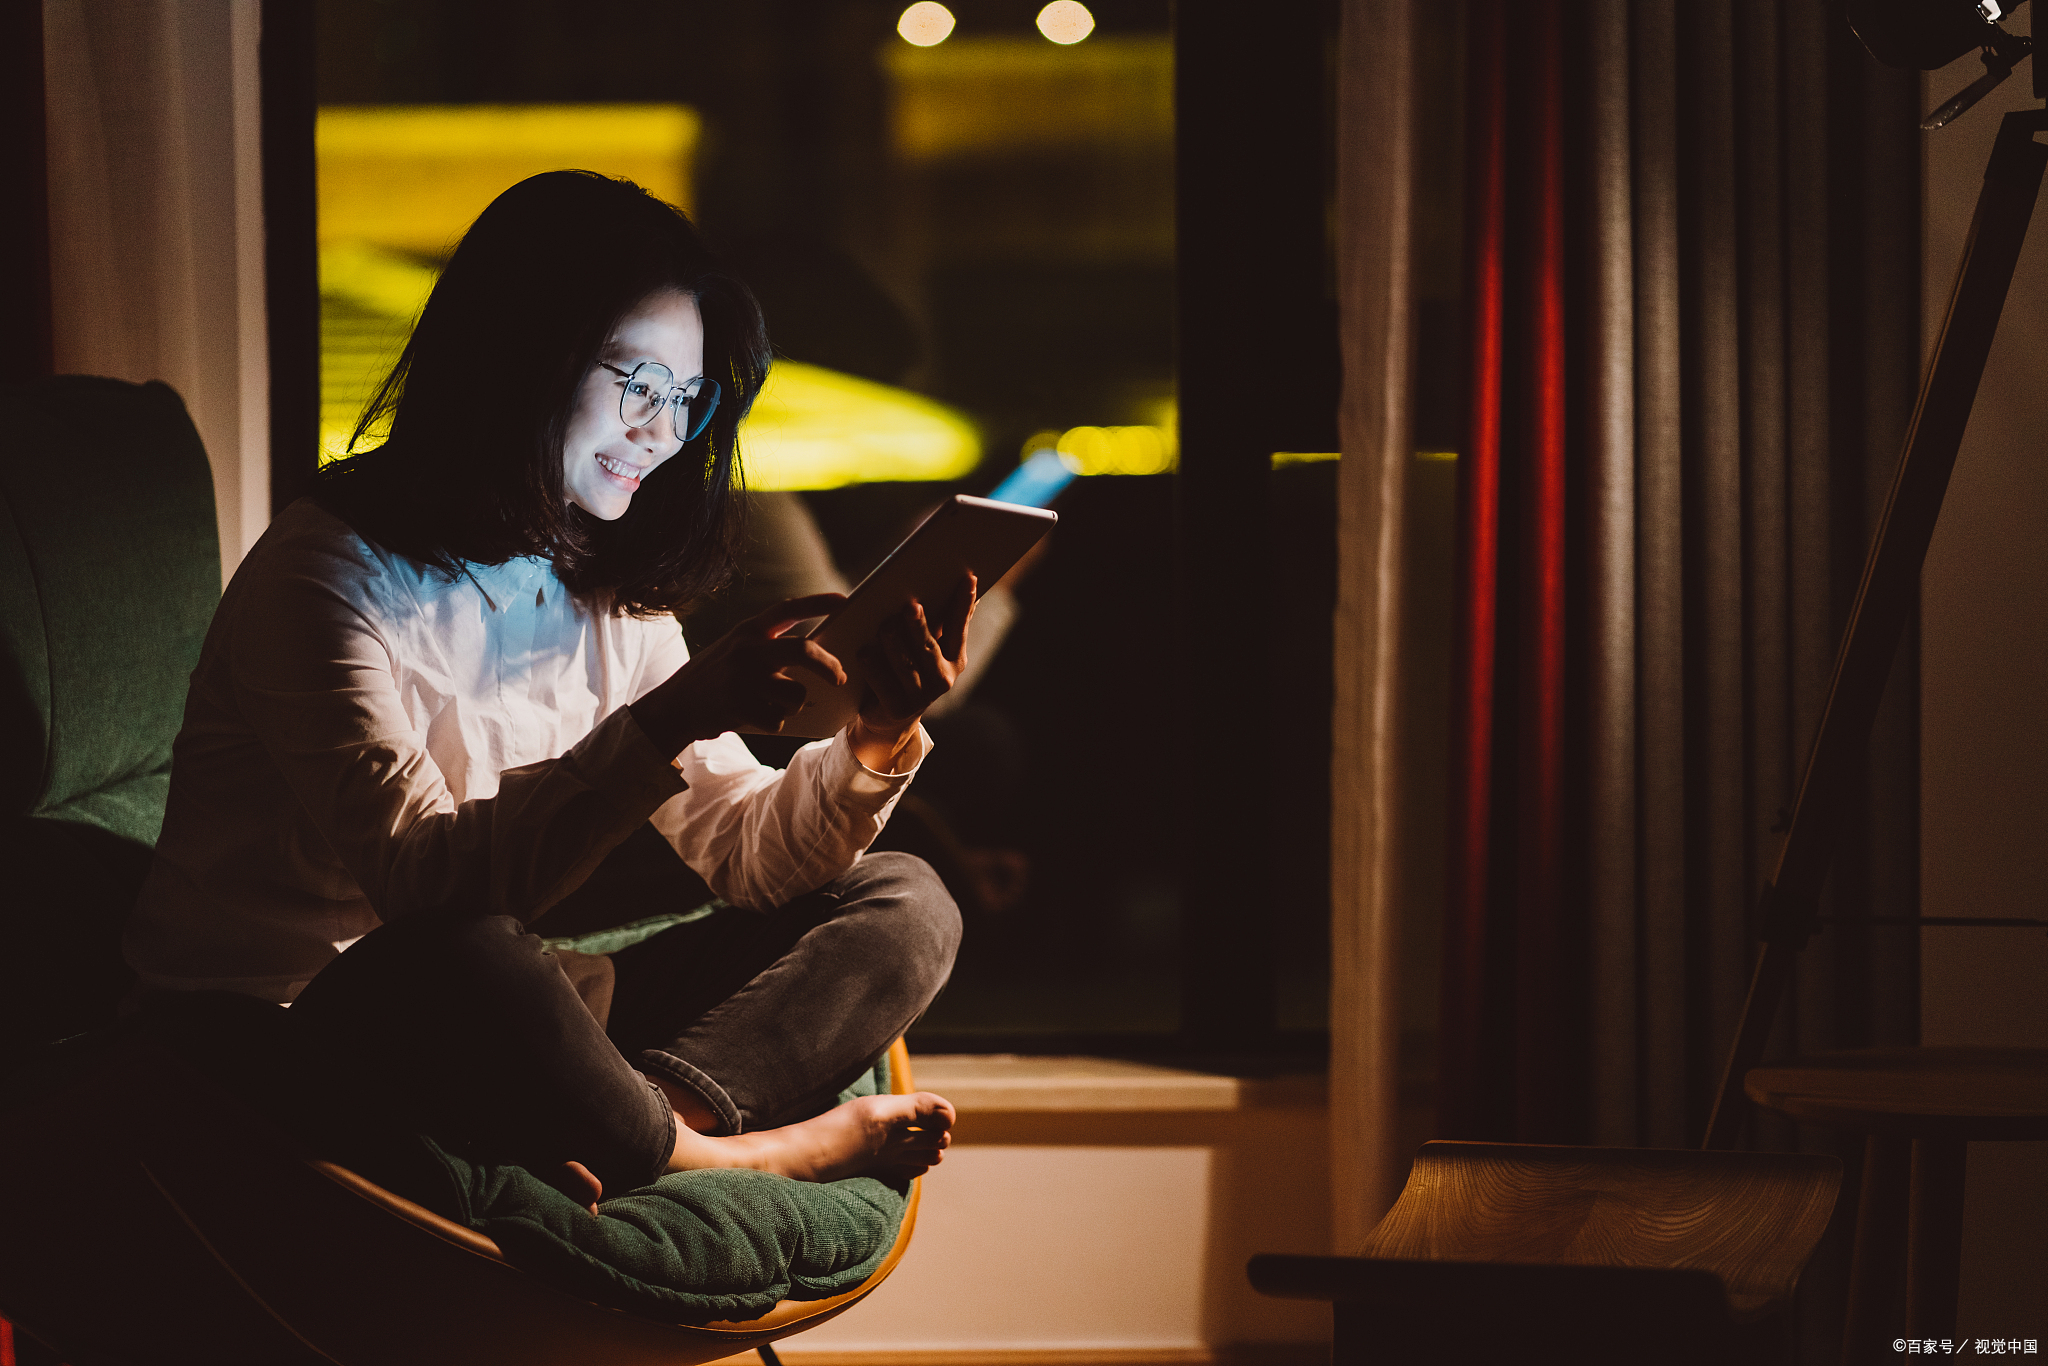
[(678, 390)]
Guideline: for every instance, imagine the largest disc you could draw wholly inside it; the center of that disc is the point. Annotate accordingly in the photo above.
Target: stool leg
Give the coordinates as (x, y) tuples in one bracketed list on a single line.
[(1880, 1233), (1934, 1238), (1351, 1340)]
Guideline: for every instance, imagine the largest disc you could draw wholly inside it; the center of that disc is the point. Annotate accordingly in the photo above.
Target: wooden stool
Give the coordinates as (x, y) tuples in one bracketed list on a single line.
[(1600, 1256), (1919, 1108)]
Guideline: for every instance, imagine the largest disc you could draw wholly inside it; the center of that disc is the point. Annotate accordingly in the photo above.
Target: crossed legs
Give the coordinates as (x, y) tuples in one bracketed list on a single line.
[(740, 1030)]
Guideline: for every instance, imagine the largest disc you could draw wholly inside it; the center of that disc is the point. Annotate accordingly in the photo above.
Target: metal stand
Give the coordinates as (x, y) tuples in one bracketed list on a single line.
[(1891, 582)]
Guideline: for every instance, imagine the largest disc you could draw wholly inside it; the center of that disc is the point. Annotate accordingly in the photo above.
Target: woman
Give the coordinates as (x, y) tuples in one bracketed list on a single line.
[(438, 693)]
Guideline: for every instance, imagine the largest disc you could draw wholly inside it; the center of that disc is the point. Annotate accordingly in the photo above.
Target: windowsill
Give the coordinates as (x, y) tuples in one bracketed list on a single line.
[(1013, 1083)]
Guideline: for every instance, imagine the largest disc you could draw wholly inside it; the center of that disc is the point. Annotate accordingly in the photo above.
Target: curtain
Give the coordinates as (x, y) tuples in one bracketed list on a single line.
[(25, 270), (1691, 339), (156, 220), (1370, 878)]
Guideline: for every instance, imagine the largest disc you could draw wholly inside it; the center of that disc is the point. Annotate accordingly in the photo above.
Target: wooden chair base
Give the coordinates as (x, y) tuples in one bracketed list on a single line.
[(164, 1223)]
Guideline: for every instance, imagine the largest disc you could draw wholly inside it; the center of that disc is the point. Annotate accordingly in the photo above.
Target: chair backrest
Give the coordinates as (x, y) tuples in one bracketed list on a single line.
[(109, 574)]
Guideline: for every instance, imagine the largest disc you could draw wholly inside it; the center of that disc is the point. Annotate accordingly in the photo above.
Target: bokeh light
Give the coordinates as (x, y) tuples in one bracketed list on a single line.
[(813, 428), (1065, 21), (927, 23), (1112, 450)]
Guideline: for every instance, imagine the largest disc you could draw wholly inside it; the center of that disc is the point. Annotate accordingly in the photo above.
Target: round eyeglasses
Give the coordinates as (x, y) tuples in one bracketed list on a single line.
[(651, 387)]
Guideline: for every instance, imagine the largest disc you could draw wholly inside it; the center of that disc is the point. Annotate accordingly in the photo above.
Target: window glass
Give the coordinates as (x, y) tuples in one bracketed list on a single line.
[(964, 246)]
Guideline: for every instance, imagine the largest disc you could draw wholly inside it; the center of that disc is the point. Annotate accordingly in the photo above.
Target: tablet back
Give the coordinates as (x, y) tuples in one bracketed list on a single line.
[(964, 533)]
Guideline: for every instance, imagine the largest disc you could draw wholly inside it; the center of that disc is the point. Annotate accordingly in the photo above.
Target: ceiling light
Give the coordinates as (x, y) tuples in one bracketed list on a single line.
[(1066, 21), (926, 23)]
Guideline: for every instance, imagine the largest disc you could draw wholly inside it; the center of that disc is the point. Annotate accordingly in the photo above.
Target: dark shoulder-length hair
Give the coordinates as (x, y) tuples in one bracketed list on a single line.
[(480, 401)]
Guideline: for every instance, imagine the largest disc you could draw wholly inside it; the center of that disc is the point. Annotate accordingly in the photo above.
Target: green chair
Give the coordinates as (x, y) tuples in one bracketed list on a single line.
[(147, 1217), (109, 572)]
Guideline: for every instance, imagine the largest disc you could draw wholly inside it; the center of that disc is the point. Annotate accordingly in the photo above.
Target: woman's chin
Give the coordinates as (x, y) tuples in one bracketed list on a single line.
[(604, 509)]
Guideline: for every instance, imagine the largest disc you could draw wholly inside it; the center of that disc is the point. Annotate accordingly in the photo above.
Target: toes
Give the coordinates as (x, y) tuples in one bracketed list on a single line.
[(592, 1187)]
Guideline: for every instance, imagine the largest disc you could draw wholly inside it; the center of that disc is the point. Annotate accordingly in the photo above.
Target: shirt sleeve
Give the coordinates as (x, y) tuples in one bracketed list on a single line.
[(317, 686), (763, 836)]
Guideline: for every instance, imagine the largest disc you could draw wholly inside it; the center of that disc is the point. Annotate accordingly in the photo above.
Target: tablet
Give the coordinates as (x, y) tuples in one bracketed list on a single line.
[(964, 533)]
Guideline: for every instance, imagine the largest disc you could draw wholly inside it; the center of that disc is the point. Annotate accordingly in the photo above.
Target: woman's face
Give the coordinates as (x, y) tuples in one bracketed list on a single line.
[(604, 460)]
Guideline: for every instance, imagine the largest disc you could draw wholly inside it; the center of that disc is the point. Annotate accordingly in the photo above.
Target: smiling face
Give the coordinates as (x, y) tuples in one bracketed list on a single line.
[(604, 460)]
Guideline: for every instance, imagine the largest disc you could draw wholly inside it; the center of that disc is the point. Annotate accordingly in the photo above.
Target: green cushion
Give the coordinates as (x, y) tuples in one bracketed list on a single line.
[(692, 1246), (109, 573)]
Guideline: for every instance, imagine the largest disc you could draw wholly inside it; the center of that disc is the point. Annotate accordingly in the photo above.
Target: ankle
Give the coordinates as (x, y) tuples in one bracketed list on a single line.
[(691, 1110)]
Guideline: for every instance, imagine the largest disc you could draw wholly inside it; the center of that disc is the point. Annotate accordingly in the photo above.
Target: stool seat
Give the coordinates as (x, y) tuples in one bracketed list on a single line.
[(1952, 1093), (1629, 1254), (1918, 1110)]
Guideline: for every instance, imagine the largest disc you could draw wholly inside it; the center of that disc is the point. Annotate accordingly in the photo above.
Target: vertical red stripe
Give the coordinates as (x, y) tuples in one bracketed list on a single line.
[(6, 1343), (1462, 1043), (1540, 969)]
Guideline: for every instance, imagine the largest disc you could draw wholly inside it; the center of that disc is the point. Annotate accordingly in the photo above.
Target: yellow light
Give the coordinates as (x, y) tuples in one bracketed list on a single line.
[(413, 177), (961, 100), (1047, 440), (368, 301), (925, 24), (1285, 458), (1066, 21), (1118, 450), (814, 428)]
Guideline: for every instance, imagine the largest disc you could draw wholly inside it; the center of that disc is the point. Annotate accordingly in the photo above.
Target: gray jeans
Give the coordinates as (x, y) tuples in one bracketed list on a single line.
[(471, 1029)]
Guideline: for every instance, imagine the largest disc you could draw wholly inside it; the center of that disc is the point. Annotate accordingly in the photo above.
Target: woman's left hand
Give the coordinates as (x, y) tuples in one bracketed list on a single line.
[(911, 665)]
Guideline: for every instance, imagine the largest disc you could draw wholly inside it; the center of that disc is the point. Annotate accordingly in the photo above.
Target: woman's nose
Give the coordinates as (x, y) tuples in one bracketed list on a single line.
[(654, 437)]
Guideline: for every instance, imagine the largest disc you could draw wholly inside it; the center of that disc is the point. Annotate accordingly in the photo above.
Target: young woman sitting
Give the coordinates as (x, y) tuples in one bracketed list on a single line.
[(441, 690)]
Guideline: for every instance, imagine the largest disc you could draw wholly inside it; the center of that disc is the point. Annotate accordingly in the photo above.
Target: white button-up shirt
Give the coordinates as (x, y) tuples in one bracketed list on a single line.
[(364, 737)]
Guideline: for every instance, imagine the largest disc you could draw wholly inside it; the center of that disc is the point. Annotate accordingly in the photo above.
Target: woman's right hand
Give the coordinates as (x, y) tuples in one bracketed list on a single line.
[(744, 678)]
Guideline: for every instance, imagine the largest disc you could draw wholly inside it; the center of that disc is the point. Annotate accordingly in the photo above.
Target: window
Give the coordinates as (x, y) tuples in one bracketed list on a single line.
[(967, 252)]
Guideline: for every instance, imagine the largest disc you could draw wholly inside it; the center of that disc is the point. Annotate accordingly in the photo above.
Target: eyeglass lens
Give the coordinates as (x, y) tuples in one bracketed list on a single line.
[(652, 385)]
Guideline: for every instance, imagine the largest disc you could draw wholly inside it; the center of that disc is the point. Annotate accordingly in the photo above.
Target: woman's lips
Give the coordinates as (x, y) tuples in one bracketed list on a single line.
[(625, 475)]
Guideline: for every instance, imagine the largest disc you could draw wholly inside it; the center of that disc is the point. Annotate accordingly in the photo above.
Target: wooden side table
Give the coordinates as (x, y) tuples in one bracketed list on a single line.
[(1918, 1109)]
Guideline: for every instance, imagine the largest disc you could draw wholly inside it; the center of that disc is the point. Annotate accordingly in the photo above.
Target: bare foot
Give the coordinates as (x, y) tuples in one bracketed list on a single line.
[(883, 1136), (594, 1188)]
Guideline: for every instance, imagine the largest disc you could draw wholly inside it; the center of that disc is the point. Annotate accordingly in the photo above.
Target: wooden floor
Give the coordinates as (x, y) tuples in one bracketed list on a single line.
[(1258, 1354)]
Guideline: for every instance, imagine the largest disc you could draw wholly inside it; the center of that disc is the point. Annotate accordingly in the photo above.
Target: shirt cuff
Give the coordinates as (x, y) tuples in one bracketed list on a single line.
[(618, 759), (846, 772)]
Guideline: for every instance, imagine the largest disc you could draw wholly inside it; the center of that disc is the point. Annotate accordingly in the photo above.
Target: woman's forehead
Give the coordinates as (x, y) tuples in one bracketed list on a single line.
[(665, 326)]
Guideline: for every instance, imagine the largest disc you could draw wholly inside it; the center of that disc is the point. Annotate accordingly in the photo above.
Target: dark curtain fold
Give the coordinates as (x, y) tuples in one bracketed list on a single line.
[(1472, 1078), (1693, 346), (26, 347)]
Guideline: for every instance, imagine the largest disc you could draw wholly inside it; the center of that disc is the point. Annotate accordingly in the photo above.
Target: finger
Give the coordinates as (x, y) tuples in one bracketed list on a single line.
[(903, 671), (773, 621), (965, 598), (777, 701), (801, 652), (884, 685), (822, 661), (911, 653), (929, 657), (959, 612)]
